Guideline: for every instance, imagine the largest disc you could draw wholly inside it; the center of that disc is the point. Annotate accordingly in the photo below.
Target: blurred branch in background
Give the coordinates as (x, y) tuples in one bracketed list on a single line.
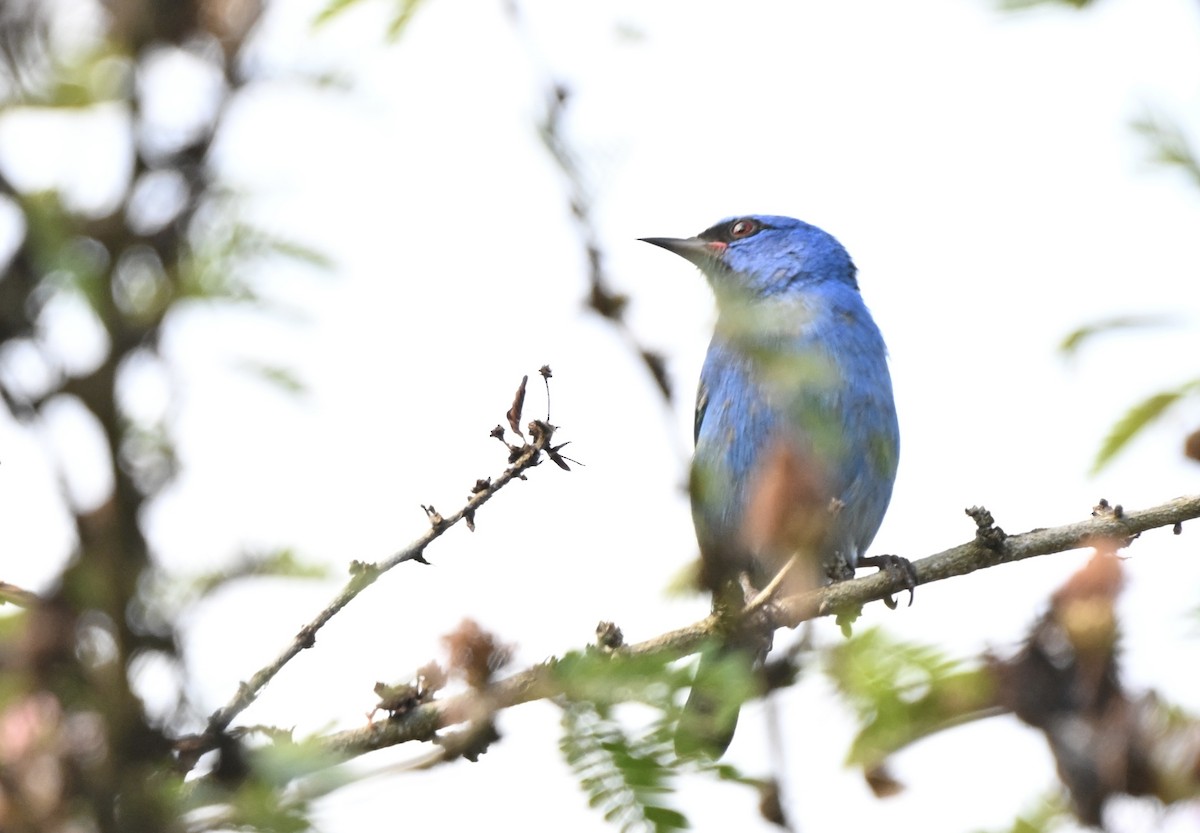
[(602, 300), (109, 270)]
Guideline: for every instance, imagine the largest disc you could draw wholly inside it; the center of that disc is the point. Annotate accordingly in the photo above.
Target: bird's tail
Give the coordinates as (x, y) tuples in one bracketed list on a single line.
[(725, 679)]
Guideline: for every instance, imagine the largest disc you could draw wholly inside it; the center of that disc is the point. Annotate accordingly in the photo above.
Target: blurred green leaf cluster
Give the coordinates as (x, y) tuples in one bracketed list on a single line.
[(902, 692), (625, 778)]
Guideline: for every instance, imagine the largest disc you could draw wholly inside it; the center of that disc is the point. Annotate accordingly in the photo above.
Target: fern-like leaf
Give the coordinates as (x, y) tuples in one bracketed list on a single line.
[(624, 777), (903, 692)]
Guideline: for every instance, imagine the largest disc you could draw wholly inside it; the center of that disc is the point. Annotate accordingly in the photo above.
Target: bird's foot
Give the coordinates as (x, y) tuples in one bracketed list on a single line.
[(899, 569)]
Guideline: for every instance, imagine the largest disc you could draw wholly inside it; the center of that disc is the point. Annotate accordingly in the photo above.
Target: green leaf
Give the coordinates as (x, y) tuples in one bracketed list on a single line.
[(1137, 418), (664, 818), (1075, 339)]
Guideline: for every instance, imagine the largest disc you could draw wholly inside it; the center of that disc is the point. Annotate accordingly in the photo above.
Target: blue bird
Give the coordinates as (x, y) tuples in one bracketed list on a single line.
[(797, 441)]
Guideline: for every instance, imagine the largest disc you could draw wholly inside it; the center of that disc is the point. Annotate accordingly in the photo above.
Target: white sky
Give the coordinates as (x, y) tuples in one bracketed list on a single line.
[(978, 166)]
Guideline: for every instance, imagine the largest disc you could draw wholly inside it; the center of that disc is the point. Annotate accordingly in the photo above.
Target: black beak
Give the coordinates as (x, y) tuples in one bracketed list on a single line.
[(692, 248)]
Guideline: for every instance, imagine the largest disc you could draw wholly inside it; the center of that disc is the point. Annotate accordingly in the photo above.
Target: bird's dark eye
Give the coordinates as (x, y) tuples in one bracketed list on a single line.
[(743, 228)]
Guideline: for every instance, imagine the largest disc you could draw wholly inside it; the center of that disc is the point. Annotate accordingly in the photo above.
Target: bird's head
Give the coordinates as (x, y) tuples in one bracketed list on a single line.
[(764, 256)]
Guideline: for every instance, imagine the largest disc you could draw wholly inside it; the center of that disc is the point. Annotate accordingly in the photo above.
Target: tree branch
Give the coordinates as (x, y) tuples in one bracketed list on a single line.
[(991, 547), (1110, 525), (363, 575)]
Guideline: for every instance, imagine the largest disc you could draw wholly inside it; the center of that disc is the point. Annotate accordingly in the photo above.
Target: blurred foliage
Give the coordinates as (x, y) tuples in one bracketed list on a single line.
[(1170, 144), (629, 769), (402, 14), (1137, 418), (606, 679), (630, 772), (624, 777), (1077, 338), (283, 563), (1144, 413), (80, 750), (902, 692), (1063, 680), (1172, 147), (1021, 5), (1049, 814)]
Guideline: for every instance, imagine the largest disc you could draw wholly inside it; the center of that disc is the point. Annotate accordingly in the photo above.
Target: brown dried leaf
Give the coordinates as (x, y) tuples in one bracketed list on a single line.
[(431, 677), (882, 782), (518, 405), (475, 654), (1191, 446)]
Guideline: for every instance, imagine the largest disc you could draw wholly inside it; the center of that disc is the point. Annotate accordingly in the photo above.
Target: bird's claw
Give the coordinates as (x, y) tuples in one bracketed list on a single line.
[(899, 569)]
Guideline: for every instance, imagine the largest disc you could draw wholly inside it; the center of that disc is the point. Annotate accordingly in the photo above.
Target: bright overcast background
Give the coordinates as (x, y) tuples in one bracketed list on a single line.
[(979, 166)]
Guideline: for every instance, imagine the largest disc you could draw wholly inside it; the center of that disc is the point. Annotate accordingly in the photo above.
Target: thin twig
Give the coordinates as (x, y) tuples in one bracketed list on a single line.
[(767, 593), (362, 576)]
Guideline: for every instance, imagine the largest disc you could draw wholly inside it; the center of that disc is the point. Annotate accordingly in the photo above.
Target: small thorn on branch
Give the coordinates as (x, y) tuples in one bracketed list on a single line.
[(435, 518), (559, 459)]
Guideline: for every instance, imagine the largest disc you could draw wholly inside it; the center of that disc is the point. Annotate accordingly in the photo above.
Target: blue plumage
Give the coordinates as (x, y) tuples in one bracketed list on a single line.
[(796, 434)]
